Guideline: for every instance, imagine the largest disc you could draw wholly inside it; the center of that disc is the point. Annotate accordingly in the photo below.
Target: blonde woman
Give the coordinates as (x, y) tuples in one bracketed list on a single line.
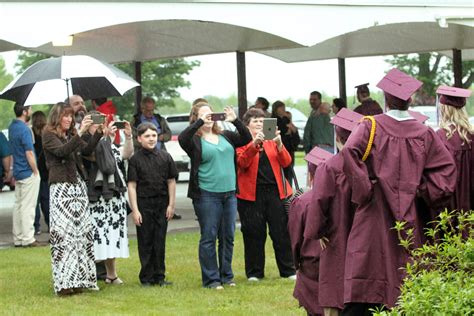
[(457, 135)]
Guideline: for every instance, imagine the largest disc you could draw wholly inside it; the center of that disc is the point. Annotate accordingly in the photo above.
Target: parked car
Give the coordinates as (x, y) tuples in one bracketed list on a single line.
[(177, 123), (299, 120), (431, 112)]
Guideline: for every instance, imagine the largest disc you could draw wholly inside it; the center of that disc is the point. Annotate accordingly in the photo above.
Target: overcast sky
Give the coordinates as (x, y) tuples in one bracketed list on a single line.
[(270, 77)]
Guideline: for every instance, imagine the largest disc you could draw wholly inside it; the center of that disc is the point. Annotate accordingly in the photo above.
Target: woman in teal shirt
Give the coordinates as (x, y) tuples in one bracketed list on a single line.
[(212, 187)]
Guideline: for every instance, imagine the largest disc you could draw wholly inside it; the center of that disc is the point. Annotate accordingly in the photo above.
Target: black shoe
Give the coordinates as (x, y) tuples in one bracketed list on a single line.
[(164, 283), (176, 216)]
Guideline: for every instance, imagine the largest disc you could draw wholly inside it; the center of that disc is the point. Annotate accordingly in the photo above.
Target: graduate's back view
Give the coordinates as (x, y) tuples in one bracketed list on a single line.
[(458, 136), (406, 160)]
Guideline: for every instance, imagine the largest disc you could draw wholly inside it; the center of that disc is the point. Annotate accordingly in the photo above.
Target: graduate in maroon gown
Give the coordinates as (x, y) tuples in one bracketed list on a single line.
[(367, 106), (458, 135), (306, 251), (407, 159), (330, 217)]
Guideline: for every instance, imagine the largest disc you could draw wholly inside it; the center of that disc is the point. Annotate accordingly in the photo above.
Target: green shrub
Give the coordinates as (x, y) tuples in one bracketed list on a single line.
[(439, 279)]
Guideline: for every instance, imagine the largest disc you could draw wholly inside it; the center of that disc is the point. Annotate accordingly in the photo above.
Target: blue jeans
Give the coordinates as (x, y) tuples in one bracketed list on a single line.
[(43, 204), (216, 213)]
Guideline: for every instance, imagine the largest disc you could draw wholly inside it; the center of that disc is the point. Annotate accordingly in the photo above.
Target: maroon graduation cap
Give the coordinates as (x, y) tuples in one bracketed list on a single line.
[(399, 84), (453, 96), (317, 156), (347, 119)]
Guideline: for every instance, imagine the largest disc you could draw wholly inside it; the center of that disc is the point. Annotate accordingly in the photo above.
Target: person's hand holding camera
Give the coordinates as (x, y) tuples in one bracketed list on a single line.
[(127, 130), (85, 124), (258, 140), (229, 114), (277, 140), (206, 117)]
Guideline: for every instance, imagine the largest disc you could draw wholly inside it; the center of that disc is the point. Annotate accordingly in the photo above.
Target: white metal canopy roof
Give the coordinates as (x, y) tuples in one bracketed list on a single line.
[(148, 40), (399, 38), (306, 22)]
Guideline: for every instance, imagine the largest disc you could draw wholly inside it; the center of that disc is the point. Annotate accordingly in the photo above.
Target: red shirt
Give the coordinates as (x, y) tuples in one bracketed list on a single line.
[(247, 168)]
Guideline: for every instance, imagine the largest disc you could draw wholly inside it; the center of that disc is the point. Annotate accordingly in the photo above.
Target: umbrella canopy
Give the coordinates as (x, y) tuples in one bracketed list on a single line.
[(54, 79)]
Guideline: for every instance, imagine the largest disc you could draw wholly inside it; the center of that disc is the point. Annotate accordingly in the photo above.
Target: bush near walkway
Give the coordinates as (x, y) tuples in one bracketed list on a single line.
[(26, 286)]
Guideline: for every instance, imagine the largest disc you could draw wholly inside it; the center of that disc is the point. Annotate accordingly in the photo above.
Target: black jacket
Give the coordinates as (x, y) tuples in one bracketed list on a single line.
[(191, 144)]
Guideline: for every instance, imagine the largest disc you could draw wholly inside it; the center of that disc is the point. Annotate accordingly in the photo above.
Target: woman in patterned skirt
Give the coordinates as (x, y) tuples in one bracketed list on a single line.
[(108, 206), (71, 228)]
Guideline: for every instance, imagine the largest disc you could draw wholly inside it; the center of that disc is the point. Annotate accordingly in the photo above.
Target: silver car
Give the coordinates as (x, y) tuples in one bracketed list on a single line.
[(177, 123)]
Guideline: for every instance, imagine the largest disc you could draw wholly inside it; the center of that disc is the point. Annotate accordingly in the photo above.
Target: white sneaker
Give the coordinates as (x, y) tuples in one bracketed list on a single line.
[(219, 288), (292, 277), (253, 279)]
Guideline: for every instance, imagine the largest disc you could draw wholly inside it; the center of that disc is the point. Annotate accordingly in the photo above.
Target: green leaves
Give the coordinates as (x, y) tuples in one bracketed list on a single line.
[(440, 277)]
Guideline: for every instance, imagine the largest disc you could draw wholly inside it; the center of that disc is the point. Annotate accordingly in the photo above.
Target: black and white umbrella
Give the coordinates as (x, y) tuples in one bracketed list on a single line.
[(54, 79)]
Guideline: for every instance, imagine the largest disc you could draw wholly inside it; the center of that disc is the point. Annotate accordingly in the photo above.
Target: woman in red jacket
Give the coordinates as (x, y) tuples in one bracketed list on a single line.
[(260, 196)]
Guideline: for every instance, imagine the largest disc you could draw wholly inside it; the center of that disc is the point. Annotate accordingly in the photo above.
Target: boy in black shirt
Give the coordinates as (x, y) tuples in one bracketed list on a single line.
[(152, 193)]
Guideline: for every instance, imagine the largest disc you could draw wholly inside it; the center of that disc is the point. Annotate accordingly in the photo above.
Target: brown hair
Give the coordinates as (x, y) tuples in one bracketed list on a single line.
[(143, 127), (199, 100), (252, 113), (275, 106), (193, 117), (58, 111), (38, 122)]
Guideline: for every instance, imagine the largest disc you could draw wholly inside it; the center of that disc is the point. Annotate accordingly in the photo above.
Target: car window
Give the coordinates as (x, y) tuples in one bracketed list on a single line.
[(177, 123), (297, 115)]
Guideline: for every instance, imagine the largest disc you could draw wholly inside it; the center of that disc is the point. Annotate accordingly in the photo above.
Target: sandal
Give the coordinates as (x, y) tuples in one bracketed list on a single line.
[(115, 281)]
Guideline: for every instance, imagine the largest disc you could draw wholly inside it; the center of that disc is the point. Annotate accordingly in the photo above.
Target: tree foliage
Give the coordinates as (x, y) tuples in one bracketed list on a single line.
[(433, 69), (26, 59), (6, 107), (161, 80)]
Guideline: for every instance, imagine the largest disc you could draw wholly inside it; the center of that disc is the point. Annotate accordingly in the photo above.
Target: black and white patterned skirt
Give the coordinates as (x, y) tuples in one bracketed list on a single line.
[(71, 237)]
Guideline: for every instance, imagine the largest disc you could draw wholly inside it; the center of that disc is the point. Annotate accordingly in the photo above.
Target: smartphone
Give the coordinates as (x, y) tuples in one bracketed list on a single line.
[(218, 116), (269, 128), (97, 118), (119, 124)]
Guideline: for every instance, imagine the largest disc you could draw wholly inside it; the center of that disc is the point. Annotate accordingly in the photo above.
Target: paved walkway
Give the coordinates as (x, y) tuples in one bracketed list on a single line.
[(183, 207)]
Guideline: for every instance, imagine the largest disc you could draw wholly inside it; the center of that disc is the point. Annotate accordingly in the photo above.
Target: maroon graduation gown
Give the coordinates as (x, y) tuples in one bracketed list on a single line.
[(407, 158), (330, 216), (305, 255), (369, 107), (463, 154)]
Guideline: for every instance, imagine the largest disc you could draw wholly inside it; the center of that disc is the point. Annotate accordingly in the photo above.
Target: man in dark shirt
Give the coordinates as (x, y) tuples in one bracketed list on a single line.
[(152, 193)]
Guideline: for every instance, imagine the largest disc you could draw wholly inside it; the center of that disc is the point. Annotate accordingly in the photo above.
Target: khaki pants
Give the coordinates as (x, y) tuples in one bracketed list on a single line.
[(26, 198)]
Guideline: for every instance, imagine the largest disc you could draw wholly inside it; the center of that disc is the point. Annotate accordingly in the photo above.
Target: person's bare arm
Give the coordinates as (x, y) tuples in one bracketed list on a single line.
[(7, 164), (132, 197), (30, 157)]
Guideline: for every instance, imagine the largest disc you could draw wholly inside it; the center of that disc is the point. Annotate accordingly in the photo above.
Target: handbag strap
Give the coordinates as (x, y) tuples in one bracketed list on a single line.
[(371, 137), (295, 180), (283, 181)]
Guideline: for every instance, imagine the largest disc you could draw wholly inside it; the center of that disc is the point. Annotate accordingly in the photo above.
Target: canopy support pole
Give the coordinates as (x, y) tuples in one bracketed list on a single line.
[(457, 67), (138, 90), (241, 84), (341, 62)]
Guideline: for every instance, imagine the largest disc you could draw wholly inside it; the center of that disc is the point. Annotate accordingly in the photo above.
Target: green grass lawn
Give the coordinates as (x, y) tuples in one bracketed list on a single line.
[(26, 286), (299, 158)]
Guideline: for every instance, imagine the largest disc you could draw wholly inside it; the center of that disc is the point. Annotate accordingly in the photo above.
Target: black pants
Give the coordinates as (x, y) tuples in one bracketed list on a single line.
[(359, 309), (254, 216), (151, 238)]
